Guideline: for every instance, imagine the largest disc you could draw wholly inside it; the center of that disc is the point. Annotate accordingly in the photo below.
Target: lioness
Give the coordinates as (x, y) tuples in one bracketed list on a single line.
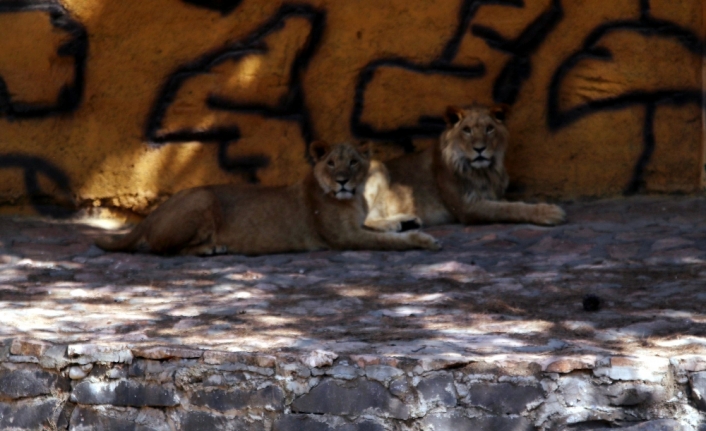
[(462, 179), (326, 210)]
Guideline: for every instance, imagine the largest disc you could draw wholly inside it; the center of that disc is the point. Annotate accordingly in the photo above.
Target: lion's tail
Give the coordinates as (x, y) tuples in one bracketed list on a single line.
[(126, 242)]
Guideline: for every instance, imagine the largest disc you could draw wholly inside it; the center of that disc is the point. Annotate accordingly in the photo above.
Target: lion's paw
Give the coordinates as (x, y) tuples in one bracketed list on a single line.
[(424, 240), (548, 214)]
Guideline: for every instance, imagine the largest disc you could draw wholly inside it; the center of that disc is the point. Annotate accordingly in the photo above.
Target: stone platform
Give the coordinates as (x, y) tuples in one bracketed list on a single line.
[(491, 333)]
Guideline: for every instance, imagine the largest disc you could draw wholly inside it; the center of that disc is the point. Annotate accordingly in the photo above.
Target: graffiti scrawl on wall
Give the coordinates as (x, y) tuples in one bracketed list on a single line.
[(251, 84), (13, 104), (288, 106), (519, 68), (32, 168), (642, 93), (16, 103), (507, 84)]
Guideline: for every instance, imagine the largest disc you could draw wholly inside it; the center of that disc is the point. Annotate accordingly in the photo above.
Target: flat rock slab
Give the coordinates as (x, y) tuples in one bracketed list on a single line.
[(493, 290)]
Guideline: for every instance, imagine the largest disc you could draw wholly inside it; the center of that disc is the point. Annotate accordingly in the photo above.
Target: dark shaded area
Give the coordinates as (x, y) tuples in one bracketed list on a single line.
[(409, 225), (591, 302), (223, 6), (70, 95), (292, 107)]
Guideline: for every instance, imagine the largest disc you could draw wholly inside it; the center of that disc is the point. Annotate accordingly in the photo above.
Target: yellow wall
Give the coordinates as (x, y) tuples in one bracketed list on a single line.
[(120, 103)]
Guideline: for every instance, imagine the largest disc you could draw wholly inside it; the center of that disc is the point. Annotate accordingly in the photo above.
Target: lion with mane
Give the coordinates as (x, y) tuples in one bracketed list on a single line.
[(460, 179)]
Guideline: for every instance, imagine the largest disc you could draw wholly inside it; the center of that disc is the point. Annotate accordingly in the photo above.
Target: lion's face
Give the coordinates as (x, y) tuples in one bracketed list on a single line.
[(340, 169), (475, 139)]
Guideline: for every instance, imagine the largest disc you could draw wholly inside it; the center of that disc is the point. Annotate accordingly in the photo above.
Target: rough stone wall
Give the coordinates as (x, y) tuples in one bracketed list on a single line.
[(92, 387), (119, 103)]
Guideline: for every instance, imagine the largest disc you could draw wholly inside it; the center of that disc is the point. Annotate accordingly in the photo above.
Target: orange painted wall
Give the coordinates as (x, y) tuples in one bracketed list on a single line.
[(121, 103)]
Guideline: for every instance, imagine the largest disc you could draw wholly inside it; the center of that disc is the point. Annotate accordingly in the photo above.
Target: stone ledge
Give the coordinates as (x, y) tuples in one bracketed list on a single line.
[(192, 389)]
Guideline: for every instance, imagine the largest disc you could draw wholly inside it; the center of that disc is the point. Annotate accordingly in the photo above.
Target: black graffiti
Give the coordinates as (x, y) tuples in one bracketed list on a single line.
[(292, 107), (41, 201), (519, 68), (247, 166), (648, 26), (466, 14), (223, 6), (71, 94), (507, 84), (426, 126)]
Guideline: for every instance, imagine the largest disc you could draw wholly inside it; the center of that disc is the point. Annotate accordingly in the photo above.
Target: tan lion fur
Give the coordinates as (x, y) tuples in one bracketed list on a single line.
[(460, 179), (326, 210)]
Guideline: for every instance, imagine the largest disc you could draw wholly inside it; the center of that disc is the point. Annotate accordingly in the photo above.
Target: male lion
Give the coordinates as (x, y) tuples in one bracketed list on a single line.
[(462, 179), (326, 210)]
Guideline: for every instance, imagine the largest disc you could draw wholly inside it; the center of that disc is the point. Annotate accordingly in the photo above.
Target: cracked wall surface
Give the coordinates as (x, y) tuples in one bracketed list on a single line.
[(119, 104)]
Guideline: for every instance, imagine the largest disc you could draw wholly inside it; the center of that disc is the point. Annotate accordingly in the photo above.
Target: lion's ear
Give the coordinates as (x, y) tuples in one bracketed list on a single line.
[(500, 112), (453, 115), (363, 148), (318, 149)]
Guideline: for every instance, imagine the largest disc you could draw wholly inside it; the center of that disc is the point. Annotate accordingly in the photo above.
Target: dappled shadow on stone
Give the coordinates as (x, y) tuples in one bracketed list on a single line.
[(493, 289)]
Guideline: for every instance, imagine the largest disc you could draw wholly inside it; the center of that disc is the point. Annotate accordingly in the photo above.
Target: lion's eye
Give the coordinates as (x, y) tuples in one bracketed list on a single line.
[(330, 163), (467, 131), (354, 163), (489, 130)]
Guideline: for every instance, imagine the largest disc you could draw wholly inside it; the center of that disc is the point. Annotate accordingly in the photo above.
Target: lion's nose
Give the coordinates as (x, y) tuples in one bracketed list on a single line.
[(480, 150), (342, 182)]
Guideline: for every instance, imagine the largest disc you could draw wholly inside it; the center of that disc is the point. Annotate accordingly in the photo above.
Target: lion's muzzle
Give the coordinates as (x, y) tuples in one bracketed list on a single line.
[(345, 190), (481, 162)]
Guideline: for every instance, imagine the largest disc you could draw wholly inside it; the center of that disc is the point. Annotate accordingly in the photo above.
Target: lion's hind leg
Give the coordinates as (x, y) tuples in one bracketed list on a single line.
[(186, 225)]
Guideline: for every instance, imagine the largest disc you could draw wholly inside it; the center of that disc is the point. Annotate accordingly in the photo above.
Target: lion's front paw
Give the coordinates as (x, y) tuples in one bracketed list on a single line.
[(550, 215), (424, 240)]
